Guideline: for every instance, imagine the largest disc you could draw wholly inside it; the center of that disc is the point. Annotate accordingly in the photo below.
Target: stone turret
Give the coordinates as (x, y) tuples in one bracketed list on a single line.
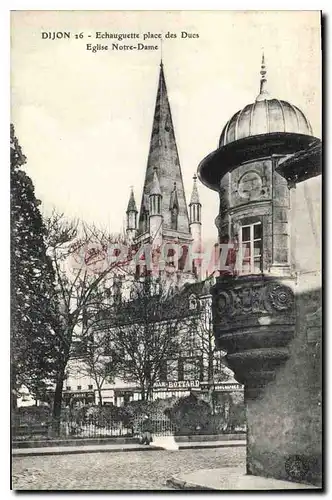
[(195, 209), (131, 212), (267, 315)]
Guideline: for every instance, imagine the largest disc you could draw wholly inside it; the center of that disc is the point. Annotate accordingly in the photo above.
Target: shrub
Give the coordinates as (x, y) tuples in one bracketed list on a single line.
[(31, 415), (158, 408), (217, 425), (237, 417), (100, 416), (191, 416)]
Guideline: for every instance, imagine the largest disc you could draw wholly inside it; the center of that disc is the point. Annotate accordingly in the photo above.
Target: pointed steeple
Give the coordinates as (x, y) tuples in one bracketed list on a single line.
[(194, 195), (195, 205), (163, 155), (263, 93), (131, 203), (131, 216)]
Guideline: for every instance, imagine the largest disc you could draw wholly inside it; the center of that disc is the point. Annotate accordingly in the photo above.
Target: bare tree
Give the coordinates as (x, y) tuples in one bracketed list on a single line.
[(98, 361), (214, 364), (145, 332), (80, 256)]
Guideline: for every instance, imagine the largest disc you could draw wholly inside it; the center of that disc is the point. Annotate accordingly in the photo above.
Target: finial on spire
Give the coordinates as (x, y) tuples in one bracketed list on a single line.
[(195, 177), (161, 53), (263, 93)]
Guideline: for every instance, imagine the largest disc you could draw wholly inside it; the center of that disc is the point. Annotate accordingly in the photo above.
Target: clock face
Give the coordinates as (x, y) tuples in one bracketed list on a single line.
[(250, 186)]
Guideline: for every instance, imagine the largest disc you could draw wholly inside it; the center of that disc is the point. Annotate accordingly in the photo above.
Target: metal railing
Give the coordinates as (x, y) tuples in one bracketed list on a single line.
[(160, 426), (31, 428)]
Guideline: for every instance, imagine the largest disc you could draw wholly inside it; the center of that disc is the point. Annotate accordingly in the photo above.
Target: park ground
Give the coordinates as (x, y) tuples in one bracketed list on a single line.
[(141, 470)]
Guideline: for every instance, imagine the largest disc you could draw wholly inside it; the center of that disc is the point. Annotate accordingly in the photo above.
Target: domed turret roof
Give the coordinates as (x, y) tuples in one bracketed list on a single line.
[(265, 115)]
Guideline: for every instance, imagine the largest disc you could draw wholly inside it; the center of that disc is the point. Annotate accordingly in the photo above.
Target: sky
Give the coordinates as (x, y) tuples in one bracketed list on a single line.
[(84, 119)]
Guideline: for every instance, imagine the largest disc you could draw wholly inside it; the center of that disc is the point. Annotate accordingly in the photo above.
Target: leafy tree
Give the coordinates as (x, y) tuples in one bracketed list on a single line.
[(33, 312)]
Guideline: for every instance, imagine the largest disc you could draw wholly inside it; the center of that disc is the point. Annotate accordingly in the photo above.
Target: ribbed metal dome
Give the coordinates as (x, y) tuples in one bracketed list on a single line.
[(265, 115)]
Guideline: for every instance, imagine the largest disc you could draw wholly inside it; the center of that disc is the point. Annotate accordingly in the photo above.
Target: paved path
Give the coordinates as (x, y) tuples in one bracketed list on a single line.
[(103, 448), (137, 470), (230, 478)]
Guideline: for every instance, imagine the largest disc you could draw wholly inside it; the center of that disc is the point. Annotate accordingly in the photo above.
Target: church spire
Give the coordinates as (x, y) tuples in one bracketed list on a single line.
[(263, 93), (131, 212), (195, 205), (163, 156), (195, 209), (131, 203), (194, 195)]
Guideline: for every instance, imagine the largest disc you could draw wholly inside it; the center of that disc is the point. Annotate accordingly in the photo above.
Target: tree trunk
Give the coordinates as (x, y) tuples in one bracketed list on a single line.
[(13, 389), (149, 393), (211, 382), (13, 399), (57, 403), (100, 402), (143, 392)]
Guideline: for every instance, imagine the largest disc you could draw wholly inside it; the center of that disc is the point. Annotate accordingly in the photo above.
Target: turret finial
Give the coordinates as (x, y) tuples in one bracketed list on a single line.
[(263, 93), (194, 195)]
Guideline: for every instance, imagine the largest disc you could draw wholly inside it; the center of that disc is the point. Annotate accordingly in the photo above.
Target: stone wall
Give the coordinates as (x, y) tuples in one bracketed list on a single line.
[(270, 326), (287, 421)]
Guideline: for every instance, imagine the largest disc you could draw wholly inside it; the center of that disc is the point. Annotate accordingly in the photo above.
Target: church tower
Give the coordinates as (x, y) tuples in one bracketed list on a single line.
[(163, 168), (195, 208), (163, 216)]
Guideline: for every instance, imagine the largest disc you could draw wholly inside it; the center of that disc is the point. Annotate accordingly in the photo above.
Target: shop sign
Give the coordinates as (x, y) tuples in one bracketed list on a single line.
[(223, 387), (81, 394), (229, 387), (179, 384)]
